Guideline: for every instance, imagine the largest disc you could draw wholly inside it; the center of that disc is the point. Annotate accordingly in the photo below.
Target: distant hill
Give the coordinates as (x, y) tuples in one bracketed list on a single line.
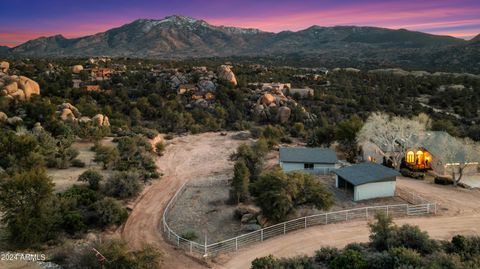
[(476, 39), (4, 50), (185, 37)]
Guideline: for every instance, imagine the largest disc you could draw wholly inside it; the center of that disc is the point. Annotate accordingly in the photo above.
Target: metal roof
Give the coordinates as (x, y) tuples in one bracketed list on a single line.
[(364, 173), (308, 155)]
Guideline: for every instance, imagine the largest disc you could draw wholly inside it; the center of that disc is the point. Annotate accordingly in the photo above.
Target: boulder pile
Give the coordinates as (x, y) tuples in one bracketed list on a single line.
[(225, 72), (68, 112), (4, 66), (18, 87), (76, 69), (14, 121), (250, 217)]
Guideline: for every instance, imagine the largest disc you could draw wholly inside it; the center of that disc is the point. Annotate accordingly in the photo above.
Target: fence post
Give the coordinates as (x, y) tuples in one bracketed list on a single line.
[(191, 246), (366, 212), (346, 215), (178, 241), (206, 248), (387, 210), (236, 243), (305, 222), (326, 218), (284, 228), (261, 235)]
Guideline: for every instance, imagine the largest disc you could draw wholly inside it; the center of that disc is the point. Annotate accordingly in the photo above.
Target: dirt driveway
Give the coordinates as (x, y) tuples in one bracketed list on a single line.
[(189, 157), (185, 158), (459, 211)]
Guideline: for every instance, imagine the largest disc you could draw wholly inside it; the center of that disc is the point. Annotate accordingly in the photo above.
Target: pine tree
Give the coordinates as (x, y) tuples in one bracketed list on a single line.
[(241, 180)]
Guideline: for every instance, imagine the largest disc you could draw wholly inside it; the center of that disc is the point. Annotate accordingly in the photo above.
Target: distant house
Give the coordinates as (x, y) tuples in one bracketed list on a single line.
[(77, 83), (312, 160), (302, 92), (100, 73), (93, 88), (367, 180)]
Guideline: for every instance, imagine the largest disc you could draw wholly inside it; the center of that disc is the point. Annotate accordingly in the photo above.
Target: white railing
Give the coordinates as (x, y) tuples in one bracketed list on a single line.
[(235, 243)]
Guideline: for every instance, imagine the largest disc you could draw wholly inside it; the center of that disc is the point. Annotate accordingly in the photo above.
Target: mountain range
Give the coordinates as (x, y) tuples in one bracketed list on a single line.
[(185, 37)]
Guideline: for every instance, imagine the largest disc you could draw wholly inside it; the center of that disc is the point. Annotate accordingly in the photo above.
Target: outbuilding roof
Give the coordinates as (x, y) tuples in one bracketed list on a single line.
[(364, 173), (308, 155)]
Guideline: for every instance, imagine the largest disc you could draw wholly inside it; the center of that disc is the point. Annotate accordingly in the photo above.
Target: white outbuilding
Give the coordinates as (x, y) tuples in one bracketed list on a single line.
[(367, 180), (311, 160)]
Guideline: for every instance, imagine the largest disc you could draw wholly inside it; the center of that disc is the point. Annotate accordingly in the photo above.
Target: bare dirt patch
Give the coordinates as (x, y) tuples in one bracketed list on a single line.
[(66, 178), (185, 158), (204, 209)]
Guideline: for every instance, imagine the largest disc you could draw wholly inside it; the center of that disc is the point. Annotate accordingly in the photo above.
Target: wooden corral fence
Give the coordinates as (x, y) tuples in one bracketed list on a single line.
[(416, 206)]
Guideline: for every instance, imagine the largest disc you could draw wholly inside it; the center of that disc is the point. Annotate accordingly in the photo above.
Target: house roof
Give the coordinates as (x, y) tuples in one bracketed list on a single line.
[(365, 173), (435, 142), (308, 155)]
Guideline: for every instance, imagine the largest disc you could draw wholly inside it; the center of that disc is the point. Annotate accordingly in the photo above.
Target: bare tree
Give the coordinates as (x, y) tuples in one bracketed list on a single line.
[(392, 135), (457, 154)]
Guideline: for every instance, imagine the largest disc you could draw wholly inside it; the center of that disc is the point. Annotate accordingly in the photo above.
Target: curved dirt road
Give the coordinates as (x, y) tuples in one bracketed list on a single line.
[(185, 159), (459, 211), (201, 155)]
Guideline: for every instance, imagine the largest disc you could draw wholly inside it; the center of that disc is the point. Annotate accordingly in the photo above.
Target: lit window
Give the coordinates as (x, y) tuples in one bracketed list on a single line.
[(410, 157)]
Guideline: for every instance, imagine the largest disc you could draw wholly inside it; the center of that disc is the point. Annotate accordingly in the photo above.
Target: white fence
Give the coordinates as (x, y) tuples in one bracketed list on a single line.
[(235, 243)]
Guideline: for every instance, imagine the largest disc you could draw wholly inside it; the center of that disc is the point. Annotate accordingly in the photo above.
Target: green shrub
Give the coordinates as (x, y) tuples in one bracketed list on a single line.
[(73, 222), (93, 178), (326, 254), (349, 259), (123, 185), (189, 235), (160, 148), (268, 262), (405, 258), (109, 211)]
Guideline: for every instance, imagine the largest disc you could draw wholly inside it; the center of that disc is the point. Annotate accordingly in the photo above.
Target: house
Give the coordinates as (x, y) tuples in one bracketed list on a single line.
[(302, 92), (77, 83), (272, 87), (426, 154), (367, 180), (311, 160), (429, 154), (93, 88), (101, 73)]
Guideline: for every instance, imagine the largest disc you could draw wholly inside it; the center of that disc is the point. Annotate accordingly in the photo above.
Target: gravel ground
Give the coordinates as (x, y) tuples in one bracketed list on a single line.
[(205, 211), (203, 208)]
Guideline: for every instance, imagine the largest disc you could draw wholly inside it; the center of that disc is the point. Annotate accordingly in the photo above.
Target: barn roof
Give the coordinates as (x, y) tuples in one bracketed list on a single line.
[(364, 173), (308, 155)]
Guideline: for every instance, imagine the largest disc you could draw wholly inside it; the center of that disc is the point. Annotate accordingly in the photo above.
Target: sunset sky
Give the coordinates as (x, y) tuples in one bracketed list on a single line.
[(22, 20)]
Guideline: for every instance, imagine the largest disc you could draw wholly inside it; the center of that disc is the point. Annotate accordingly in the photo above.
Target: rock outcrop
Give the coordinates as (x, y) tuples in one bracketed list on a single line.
[(283, 114), (267, 99), (18, 87), (206, 85), (15, 121), (76, 69), (101, 120), (68, 112), (4, 66), (3, 117), (224, 72)]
